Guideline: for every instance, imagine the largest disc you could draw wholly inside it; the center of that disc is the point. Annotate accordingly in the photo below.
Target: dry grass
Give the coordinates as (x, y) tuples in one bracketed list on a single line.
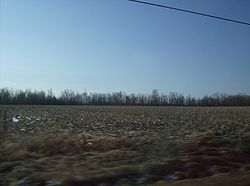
[(71, 146)]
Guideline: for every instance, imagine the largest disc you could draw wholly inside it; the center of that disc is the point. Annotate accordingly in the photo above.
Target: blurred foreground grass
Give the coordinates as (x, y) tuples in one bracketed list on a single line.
[(103, 160), (159, 146)]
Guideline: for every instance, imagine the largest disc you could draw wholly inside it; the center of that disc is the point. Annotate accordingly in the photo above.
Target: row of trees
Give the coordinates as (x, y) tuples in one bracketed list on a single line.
[(69, 97)]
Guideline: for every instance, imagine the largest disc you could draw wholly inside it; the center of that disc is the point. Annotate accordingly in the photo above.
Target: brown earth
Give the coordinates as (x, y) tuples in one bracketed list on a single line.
[(105, 145)]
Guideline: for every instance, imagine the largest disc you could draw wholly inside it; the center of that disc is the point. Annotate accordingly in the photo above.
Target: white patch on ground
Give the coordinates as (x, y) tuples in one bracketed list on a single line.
[(15, 120), (53, 182)]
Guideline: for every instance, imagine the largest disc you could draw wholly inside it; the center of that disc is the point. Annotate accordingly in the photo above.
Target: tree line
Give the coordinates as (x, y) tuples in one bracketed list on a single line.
[(69, 97)]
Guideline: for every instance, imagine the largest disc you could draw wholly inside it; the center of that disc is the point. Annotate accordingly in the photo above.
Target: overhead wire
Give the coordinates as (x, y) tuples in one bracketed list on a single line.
[(190, 11)]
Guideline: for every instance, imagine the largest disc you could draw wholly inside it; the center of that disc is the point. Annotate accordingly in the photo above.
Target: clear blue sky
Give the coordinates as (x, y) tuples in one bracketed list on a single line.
[(112, 45)]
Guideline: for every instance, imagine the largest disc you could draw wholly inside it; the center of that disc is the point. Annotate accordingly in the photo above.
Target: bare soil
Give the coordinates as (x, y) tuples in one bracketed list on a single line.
[(119, 145)]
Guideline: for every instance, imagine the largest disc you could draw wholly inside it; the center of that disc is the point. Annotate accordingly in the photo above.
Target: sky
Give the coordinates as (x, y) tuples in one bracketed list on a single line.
[(117, 45)]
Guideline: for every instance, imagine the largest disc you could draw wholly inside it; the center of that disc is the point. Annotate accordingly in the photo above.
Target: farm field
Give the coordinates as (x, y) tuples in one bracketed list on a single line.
[(124, 145)]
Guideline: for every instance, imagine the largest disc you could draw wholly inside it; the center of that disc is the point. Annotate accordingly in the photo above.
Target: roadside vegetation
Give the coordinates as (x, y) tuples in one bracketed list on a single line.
[(106, 145)]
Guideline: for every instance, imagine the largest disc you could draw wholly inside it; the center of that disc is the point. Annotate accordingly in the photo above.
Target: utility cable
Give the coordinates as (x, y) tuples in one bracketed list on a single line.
[(190, 11)]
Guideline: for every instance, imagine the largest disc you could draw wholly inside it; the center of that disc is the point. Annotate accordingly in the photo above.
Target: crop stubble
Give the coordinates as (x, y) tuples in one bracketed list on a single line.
[(122, 145)]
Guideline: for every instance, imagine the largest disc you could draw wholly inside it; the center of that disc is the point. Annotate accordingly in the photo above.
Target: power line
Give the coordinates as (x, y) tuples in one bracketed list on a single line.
[(191, 12)]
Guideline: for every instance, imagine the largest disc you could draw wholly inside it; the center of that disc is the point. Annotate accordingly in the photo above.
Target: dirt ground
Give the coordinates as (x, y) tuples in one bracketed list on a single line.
[(124, 145)]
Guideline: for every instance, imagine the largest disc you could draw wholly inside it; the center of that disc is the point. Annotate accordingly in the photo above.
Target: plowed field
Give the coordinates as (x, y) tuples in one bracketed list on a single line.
[(124, 145)]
